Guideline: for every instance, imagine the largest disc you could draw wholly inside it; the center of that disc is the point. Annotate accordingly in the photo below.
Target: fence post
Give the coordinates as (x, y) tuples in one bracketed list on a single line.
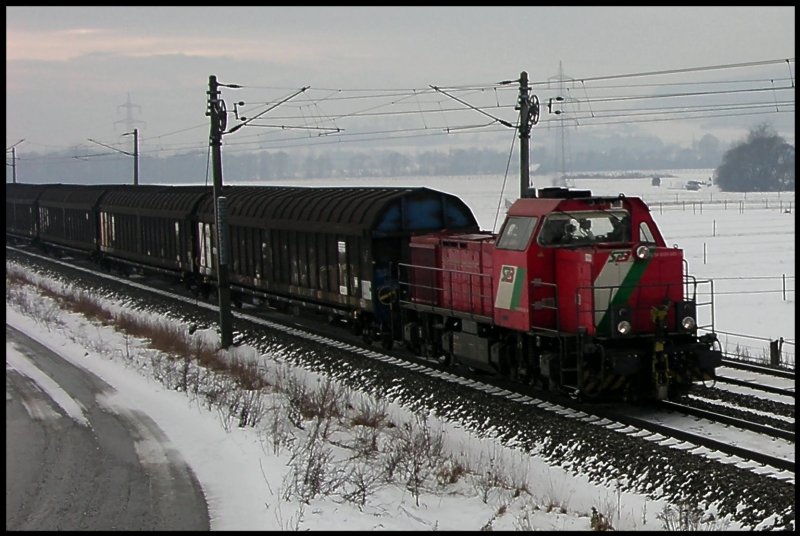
[(715, 228), (784, 287), (704, 252), (775, 352)]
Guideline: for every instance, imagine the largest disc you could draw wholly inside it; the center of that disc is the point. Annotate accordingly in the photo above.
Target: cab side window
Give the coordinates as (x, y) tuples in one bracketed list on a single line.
[(645, 235), (516, 233)]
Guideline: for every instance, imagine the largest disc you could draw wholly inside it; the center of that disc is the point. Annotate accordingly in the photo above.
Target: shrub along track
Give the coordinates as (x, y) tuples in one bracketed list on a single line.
[(632, 463)]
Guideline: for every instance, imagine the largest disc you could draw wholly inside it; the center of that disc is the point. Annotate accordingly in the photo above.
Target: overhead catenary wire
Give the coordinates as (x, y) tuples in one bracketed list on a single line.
[(377, 136), (406, 112), (505, 178), (418, 102), (688, 69), (544, 124)]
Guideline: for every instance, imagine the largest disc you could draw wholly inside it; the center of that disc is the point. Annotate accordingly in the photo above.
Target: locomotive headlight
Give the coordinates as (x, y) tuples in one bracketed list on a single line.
[(687, 312), (643, 252), (688, 323), (620, 317)]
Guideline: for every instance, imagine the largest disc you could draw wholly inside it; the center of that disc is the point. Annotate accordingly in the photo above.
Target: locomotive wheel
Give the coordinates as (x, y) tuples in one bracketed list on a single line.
[(677, 392), (516, 374)]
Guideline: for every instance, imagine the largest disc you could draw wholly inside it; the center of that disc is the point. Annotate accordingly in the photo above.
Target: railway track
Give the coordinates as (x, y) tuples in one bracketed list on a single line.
[(785, 467), (752, 367), (612, 418), (771, 431), (763, 379), (788, 392)]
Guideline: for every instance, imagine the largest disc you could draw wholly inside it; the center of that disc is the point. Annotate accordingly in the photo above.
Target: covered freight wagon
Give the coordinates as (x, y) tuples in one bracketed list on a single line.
[(68, 216), (333, 249), (21, 199), (151, 226)]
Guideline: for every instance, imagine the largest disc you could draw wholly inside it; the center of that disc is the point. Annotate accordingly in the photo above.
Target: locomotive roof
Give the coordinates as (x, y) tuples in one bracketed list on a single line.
[(349, 210), (537, 206)]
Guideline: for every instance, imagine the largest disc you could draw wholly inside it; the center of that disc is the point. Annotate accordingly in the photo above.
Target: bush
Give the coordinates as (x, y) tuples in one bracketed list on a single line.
[(763, 163)]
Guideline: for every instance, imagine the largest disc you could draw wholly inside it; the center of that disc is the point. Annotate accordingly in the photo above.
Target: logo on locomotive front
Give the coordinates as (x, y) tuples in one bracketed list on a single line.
[(509, 287), (616, 284), (619, 256)]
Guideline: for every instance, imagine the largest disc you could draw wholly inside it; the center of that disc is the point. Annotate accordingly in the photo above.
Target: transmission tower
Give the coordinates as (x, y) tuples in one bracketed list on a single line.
[(561, 77), (129, 122)]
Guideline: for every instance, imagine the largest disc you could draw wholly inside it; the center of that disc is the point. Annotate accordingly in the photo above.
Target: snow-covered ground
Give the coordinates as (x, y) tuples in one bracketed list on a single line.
[(246, 478)]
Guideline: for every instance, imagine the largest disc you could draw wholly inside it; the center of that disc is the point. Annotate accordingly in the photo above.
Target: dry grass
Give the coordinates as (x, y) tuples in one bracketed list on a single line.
[(167, 338), (411, 454)]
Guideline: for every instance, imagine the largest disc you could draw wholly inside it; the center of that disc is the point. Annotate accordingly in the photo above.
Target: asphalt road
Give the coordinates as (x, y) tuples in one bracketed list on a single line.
[(114, 472)]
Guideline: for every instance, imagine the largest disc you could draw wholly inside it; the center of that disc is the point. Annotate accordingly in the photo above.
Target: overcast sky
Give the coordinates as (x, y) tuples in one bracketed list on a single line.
[(68, 69)]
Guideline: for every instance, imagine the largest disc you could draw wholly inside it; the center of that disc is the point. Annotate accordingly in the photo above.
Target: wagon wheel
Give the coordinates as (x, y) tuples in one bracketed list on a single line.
[(367, 333), (387, 342)]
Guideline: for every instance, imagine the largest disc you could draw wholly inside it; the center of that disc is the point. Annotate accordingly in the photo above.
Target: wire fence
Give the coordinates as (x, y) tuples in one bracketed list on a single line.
[(739, 205), (784, 286), (777, 353)]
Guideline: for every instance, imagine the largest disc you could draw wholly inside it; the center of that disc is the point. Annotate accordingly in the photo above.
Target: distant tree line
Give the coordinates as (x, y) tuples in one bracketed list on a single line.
[(195, 167)]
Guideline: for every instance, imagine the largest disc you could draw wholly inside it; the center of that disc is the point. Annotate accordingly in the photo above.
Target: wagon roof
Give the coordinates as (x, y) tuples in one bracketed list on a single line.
[(71, 195), (23, 191), (353, 210), (167, 201)]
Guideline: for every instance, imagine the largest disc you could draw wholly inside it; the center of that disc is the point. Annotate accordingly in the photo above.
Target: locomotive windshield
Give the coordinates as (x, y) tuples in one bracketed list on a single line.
[(516, 233), (581, 228)]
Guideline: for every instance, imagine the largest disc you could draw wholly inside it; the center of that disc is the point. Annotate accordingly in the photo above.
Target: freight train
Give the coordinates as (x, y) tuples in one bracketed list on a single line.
[(576, 293)]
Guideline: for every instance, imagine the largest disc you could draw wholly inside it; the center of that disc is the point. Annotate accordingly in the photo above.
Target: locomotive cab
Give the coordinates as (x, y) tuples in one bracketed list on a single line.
[(561, 263), (577, 293), (595, 277)]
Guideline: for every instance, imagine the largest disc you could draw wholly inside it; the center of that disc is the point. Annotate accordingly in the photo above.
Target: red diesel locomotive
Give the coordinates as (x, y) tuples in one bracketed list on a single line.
[(576, 293)]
